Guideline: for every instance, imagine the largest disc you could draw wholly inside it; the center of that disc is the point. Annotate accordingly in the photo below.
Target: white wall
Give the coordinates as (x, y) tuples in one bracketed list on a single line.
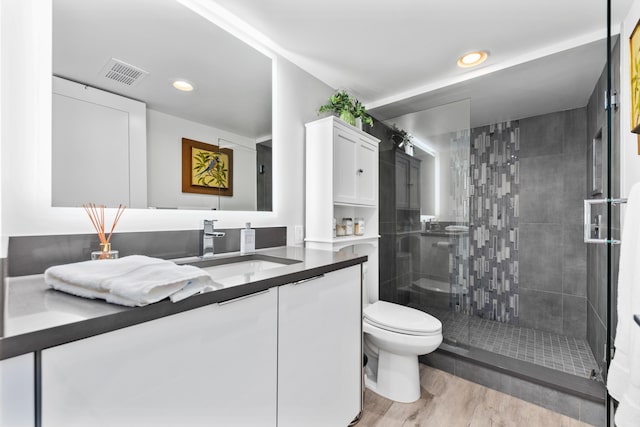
[(25, 168), (629, 156), (164, 164)]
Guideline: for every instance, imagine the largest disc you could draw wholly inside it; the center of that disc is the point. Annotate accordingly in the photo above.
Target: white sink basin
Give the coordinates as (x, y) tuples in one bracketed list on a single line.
[(248, 267)]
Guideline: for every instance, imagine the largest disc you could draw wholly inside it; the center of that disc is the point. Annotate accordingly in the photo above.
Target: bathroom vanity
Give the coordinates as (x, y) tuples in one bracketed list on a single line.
[(281, 347)]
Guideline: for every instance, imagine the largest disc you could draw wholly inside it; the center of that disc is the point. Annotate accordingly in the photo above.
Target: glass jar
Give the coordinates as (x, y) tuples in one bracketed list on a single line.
[(334, 227), (340, 230), (348, 226), (358, 226)]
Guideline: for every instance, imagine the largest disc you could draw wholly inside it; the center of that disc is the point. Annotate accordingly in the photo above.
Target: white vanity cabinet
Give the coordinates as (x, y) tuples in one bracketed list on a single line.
[(319, 350), (211, 366), (17, 391)]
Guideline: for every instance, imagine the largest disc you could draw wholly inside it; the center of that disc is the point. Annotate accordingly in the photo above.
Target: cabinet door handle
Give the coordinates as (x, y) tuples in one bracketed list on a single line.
[(360, 171), (243, 297), (300, 282)]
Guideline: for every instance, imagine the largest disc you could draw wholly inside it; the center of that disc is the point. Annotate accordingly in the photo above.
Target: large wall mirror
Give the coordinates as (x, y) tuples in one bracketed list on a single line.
[(124, 134)]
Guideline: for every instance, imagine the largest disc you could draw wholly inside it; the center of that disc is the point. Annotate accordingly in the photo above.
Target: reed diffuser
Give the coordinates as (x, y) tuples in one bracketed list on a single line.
[(96, 215)]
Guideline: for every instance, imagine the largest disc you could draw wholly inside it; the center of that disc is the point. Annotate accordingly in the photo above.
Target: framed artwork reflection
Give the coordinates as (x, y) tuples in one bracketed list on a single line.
[(206, 168), (634, 60)]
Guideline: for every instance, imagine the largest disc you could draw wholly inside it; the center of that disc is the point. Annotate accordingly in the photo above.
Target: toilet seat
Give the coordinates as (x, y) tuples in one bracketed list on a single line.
[(401, 319)]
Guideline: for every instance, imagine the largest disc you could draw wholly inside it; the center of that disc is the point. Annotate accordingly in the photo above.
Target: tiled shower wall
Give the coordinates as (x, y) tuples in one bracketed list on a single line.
[(493, 222), (553, 182), (596, 291), (527, 259)]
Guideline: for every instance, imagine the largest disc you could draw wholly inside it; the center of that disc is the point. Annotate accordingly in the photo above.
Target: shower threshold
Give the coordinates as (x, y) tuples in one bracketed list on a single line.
[(555, 351), (583, 388)]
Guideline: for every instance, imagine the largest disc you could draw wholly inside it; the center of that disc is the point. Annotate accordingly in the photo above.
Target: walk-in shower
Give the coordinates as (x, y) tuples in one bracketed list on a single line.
[(481, 220)]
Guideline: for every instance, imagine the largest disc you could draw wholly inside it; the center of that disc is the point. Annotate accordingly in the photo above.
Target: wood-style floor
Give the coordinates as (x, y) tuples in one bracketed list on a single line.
[(449, 401)]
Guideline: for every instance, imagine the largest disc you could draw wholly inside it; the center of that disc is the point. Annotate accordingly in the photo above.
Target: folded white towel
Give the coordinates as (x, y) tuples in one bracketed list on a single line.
[(133, 280), (623, 379), (456, 228)]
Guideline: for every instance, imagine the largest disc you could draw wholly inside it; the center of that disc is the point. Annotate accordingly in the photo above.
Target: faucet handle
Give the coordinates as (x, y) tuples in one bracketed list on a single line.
[(209, 226)]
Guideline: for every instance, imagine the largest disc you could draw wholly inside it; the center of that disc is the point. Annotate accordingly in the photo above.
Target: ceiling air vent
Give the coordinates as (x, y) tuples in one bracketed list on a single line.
[(123, 73)]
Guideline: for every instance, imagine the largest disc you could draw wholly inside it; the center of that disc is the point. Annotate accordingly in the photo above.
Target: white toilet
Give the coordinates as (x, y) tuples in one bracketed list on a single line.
[(394, 337)]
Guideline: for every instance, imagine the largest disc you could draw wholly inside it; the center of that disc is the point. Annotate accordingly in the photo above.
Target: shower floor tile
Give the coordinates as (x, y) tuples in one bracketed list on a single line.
[(560, 352)]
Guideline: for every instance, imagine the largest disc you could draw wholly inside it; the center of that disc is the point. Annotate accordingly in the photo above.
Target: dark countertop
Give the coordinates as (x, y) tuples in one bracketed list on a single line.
[(37, 317)]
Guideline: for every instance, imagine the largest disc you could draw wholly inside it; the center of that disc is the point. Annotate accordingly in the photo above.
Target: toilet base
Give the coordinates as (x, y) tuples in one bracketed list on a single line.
[(398, 377)]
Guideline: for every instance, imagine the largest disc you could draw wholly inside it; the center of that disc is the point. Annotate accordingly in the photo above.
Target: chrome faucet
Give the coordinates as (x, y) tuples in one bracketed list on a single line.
[(207, 237)]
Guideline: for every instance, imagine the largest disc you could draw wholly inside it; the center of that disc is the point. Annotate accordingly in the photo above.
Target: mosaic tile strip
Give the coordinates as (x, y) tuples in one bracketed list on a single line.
[(493, 218), (459, 191)]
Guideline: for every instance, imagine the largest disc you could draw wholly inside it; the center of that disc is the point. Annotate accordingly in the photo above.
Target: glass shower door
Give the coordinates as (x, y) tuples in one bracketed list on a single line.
[(430, 216)]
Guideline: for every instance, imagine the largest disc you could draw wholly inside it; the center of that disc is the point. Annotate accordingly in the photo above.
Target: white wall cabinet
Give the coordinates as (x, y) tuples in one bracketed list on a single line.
[(355, 166), (341, 181), (319, 350), (90, 124), (17, 391), (211, 366)]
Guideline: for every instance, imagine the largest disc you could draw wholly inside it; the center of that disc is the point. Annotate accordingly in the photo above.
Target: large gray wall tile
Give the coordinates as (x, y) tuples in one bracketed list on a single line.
[(574, 268), (575, 131), (540, 257), (574, 316), (542, 135), (596, 335), (541, 310), (541, 189), (574, 173)]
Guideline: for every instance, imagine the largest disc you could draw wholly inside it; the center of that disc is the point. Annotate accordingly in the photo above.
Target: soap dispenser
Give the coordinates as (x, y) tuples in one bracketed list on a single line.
[(247, 239)]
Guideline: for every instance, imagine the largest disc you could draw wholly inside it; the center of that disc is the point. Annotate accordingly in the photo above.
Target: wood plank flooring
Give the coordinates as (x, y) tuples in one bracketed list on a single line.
[(449, 401)]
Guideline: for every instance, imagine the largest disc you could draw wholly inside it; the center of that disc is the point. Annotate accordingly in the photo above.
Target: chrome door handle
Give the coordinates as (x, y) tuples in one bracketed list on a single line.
[(243, 297), (300, 282)]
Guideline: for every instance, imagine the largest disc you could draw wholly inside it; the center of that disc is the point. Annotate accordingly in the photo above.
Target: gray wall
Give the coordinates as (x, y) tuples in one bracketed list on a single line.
[(597, 254), (553, 176), (399, 244)]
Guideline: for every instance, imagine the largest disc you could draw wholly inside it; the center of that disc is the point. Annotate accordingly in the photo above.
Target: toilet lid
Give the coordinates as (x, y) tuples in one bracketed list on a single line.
[(398, 318)]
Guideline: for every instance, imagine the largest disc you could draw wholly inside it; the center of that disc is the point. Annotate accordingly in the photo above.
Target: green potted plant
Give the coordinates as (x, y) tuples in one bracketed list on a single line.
[(347, 108), (360, 112), (401, 138)]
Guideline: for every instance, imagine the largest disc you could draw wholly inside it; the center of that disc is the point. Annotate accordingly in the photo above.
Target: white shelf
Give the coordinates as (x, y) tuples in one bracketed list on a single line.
[(353, 205), (338, 243), (345, 239)]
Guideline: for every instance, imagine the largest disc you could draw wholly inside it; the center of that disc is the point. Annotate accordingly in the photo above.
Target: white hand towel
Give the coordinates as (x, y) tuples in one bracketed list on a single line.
[(623, 379), (134, 280), (456, 228)]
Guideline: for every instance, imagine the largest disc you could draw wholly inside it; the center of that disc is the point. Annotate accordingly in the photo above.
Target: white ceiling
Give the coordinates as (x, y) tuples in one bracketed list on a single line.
[(406, 50), (398, 57), (233, 81)]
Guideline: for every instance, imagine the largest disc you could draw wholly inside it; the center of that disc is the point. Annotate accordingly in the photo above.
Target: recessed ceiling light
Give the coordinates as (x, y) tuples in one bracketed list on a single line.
[(183, 85), (472, 59)]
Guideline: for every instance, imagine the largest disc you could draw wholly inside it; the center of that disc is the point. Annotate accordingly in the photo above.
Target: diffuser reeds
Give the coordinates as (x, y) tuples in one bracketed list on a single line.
[(96, 215)]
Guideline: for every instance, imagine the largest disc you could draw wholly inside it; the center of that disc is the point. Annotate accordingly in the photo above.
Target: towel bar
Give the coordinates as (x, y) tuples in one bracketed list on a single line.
[(589, 227)]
